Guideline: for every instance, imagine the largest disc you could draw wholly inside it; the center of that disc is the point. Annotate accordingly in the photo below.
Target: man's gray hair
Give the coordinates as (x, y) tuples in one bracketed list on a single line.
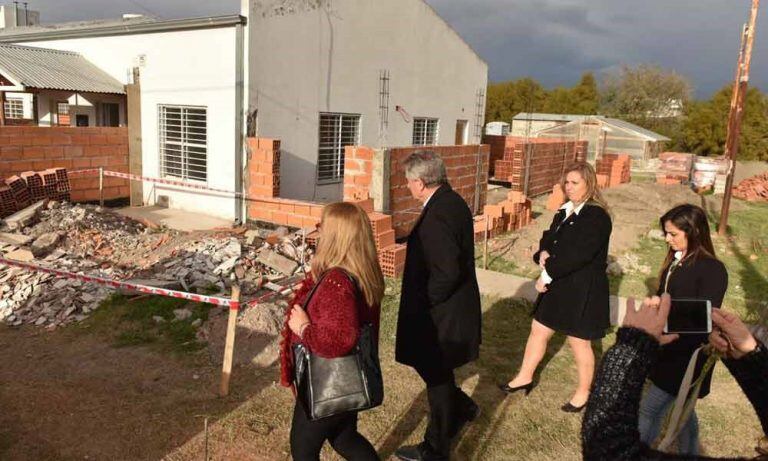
[(427, 166)]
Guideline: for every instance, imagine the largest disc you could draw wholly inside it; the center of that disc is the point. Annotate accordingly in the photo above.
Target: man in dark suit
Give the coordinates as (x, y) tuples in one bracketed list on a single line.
[(438, 326)]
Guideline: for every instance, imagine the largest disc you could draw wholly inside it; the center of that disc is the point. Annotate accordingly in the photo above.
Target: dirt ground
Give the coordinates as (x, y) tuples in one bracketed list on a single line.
[(72, 396)]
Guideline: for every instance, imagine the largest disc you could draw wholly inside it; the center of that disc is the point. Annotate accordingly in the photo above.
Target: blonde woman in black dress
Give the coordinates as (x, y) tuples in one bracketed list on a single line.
[(573, 286)]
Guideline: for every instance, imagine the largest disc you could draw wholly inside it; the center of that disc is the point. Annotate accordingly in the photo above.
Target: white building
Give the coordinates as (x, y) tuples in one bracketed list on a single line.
[(13, 16), (316, 77)]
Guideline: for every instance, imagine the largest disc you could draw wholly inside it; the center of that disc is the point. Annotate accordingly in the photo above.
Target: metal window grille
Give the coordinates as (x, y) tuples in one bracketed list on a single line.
[(336, 132), (62, 114), (14, 108), (425, 131), (184, 142)]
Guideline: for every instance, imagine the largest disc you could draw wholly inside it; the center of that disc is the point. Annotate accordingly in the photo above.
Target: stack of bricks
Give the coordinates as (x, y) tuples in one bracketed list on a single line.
[(263, 167), (512, 214), (615, 167), (7, 201), (675, 168), (549, 157), (556, 198), (33, 148), (498, 144), (18, 192), (391, 254)]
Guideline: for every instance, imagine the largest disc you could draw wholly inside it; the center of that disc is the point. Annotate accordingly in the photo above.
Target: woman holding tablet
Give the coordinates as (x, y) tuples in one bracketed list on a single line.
[(690, 271)]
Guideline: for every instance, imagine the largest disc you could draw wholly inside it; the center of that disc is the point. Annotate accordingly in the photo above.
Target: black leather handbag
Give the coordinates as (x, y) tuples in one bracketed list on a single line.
[(327, 387)]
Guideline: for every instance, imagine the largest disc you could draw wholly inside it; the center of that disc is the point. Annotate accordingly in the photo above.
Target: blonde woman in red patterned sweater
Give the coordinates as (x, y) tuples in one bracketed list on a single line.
[(349, 295)]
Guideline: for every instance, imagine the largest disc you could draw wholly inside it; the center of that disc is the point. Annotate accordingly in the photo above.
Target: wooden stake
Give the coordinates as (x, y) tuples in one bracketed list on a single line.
[(229, 345), (101, 186), (485, 243)]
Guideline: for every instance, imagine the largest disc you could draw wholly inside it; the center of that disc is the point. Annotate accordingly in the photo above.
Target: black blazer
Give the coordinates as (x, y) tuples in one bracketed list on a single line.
[(439, 319), (577, 300), (705, 278)]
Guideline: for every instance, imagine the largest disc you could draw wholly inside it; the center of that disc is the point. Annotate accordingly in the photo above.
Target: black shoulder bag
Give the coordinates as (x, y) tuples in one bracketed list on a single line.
[(328, 387)]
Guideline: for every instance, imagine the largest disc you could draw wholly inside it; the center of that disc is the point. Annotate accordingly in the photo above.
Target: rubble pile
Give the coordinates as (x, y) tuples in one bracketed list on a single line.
[(90, 240), (753, 189), (45, 300)]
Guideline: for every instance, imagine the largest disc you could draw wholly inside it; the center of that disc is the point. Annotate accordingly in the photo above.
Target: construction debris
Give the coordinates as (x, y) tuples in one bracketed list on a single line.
[(754, 189), (90, 240), (675, 168), (24, 217)]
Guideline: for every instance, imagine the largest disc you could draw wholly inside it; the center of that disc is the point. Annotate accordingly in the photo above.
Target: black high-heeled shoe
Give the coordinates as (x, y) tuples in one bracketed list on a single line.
[(570, 408), (511, 390)]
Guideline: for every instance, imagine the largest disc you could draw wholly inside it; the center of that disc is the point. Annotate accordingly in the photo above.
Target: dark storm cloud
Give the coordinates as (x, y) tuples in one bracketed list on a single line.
[(553, 41)]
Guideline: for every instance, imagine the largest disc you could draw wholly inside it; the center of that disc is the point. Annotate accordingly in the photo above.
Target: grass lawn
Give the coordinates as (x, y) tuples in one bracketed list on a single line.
[(511, 428), (744, 251)]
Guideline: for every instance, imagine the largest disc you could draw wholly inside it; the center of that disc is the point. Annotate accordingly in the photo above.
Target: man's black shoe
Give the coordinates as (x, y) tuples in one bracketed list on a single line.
[(419, 452), (472, 412)]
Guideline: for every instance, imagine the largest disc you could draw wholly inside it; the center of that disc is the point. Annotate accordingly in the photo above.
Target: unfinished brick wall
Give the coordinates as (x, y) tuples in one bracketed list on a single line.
[(549, 157), (467, 169), (263, 189), (358, 172), (263, 178), (24, 149)]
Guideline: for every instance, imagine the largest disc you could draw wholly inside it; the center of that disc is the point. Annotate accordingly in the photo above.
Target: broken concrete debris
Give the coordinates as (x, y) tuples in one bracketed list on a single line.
[(89, 240)]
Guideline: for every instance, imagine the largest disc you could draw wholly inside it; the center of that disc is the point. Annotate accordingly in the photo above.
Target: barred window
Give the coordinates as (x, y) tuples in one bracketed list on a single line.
[(336, 132), (14, 108), (183, 142), (424, 131), (62, 114)]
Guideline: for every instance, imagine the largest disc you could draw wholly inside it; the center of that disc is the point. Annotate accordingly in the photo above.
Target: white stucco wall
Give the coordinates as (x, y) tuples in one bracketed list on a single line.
[(186, 68), (328, 60)]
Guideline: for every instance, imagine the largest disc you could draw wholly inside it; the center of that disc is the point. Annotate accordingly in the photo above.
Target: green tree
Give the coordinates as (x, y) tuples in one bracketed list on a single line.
[(704, 128), (646, 95), (507, 99)]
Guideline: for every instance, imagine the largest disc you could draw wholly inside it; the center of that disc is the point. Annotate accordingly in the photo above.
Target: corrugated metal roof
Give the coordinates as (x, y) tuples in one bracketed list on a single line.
[(551, 117), (48, 69), (621, 124)]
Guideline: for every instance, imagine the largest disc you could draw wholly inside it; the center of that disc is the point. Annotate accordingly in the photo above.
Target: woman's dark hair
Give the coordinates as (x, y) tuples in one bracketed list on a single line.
[(692, 220)]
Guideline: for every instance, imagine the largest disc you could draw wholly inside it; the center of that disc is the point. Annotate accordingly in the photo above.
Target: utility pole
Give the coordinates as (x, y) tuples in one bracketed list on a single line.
[(737, 111)]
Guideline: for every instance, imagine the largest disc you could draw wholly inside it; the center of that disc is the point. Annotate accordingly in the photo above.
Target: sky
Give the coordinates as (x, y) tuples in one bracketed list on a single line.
[(552, 41)]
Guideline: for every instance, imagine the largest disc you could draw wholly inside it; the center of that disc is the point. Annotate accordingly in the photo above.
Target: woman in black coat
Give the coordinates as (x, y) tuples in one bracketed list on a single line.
[(691, 271), (573, 285)]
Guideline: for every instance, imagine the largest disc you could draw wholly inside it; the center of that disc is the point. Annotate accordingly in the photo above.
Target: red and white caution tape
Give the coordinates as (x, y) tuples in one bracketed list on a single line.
[(224, 302), (170, 182), (87, 171)]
